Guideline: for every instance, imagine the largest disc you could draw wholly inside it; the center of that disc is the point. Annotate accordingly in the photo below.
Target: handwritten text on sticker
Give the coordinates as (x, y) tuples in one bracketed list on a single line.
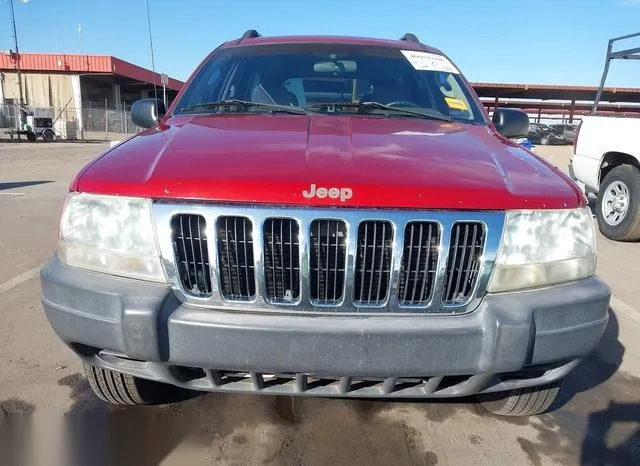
[(424, 61)]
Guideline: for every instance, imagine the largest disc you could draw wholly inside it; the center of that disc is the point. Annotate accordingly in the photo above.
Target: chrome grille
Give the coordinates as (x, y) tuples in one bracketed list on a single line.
[(467, 243), (192, 253), (373, 266), (235, 258), (253, 258), (327, 260), (281, 259), (419, 263)]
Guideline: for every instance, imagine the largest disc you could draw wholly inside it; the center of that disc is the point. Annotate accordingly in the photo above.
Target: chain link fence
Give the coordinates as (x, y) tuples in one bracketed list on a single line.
[(99, 122)]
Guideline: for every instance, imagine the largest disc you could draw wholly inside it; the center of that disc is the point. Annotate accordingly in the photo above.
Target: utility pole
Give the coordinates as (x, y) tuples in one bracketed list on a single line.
[(17, 54), (21, 114)]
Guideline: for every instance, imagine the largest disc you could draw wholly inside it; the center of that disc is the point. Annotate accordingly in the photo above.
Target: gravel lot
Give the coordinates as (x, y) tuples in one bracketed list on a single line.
[(597, 421)]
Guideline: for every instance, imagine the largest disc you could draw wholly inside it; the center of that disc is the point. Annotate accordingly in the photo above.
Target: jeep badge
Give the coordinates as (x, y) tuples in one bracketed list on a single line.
[(333, 193)]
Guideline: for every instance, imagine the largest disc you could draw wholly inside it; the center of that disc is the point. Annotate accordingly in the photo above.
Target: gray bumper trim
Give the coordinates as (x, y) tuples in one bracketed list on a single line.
[(146, 322)]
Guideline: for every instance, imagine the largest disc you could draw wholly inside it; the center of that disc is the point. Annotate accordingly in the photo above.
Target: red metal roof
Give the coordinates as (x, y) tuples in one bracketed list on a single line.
[(561, 87), (85, 64), (556, 92), (535, 104)]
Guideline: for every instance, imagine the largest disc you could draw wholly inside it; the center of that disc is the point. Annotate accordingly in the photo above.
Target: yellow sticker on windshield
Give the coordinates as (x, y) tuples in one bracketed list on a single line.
[(456, 103)]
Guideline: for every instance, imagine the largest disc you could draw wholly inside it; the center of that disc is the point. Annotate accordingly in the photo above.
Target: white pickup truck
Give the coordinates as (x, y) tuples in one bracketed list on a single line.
[(606, 161)]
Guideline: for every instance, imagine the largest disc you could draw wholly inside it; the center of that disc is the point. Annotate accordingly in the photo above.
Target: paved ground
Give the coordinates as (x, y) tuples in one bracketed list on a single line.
[(89, 136), (597, 421)]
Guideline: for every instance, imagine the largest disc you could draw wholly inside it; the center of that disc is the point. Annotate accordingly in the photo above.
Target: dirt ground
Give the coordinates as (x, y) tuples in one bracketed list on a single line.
[(48, 414)]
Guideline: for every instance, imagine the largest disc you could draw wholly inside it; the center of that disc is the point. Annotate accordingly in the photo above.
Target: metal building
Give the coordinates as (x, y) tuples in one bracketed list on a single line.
[(94, 92)]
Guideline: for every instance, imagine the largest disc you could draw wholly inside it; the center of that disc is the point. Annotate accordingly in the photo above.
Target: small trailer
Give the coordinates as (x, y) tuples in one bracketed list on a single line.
[(34, 123)]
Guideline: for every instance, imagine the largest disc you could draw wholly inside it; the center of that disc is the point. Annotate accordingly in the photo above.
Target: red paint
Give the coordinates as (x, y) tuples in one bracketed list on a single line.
[(387, 162), (123, 68)]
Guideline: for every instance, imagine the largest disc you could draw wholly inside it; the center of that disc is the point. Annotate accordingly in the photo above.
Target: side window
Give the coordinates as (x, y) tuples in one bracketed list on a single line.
[(327, 90), (233, 84), (213, 85), (207, 85), (214, 78), (363, 87), (454, 96), (296, 87)]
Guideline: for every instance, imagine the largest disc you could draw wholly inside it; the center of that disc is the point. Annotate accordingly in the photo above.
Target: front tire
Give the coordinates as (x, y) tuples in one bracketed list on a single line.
[(528, 401), (124, 389), (545, 140), (618, 205)]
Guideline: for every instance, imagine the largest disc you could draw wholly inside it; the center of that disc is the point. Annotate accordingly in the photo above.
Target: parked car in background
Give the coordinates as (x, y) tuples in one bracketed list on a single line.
[(606, 162), (565, 132), (543, 134)]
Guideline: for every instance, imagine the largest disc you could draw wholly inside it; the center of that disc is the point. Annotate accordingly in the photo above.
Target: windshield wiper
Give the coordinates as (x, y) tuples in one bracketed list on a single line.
[(246, 104), (379, 106)]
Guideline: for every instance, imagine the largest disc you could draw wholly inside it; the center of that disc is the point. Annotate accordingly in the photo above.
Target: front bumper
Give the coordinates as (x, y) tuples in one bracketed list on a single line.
[(510, 341)]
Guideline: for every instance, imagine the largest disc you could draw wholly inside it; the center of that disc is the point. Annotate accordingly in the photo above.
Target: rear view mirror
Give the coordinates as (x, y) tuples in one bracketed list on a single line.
[(511, 122), (336, 66), (146, 113)]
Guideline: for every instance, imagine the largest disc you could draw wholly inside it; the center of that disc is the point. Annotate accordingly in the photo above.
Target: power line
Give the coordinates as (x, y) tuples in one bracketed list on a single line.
[(153, 62)]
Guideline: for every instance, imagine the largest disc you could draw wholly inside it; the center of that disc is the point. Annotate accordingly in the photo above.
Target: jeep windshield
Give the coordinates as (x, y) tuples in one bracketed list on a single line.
[(332, 79)]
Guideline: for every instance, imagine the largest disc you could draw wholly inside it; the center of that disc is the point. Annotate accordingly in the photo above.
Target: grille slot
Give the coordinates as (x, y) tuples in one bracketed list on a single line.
[(191, 250), (419, 263), (281, 260), (327, 260), (465, 251), (373, 263), (235, 258)]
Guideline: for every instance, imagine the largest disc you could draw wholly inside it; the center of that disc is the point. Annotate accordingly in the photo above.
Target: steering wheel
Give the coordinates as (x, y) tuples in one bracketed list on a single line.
[(403, 103)]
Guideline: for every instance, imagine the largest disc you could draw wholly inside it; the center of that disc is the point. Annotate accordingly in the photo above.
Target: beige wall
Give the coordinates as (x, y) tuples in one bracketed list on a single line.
[(40, 90)]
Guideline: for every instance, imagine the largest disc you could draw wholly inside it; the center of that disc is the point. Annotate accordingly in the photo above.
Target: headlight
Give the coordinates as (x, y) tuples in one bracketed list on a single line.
[(110, 234), (544, 247)]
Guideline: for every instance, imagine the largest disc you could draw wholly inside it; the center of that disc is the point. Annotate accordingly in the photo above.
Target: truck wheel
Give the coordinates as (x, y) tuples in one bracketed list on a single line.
[(31, 137), (545, 141), (618, 206), (123, 389), (48, 135), (527, 401)]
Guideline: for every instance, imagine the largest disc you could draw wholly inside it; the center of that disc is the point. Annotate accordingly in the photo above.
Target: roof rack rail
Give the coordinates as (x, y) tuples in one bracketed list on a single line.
[(410, 37), (251, 34)]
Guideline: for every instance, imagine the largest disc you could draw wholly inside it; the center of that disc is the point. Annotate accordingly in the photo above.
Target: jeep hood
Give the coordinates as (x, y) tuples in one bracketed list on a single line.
[(273, 159)]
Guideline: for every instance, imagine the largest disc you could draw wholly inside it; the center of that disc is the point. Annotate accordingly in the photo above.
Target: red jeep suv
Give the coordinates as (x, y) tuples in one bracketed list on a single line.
[(326, 216)]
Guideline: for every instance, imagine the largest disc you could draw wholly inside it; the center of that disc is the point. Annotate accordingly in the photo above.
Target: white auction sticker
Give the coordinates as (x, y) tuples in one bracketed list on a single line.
[(424, 61)]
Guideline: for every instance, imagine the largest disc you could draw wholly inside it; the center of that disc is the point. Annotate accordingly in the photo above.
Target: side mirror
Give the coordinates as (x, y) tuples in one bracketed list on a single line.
[(511, 122), (146, 113)]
